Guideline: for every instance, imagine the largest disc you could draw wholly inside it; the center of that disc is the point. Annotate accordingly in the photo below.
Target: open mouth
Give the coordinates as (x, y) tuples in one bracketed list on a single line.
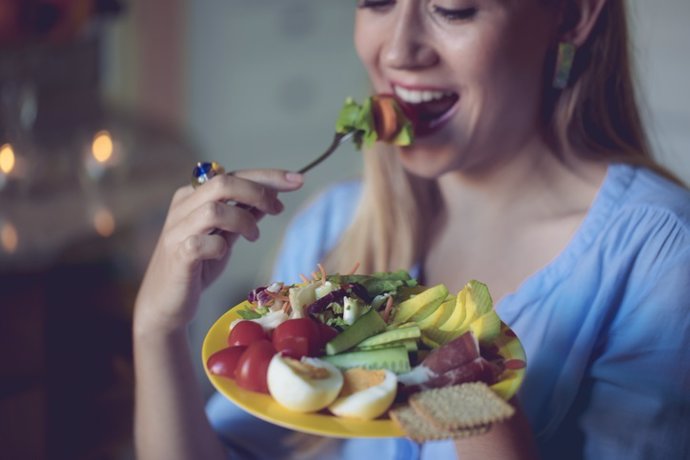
[(427, 109)]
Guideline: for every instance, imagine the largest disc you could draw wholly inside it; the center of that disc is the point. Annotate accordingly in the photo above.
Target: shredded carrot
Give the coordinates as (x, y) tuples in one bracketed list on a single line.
[(278, 296), (287, 308), (303, 278), (387, 310), (314, 276), (354, 269), (323, 274)]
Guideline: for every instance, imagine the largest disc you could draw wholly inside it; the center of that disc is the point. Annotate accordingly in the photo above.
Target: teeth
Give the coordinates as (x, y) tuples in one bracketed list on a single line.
[(416, 97)]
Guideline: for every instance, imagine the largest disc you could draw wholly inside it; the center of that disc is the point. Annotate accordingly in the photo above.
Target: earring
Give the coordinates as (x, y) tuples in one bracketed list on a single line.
[(564, 64)]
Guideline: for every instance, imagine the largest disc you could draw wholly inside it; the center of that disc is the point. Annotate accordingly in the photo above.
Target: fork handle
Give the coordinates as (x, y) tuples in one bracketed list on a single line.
[(338, 139)]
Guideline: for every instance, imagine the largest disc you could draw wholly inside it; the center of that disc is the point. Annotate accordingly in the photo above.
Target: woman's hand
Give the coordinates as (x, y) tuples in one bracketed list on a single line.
[(197, 238)]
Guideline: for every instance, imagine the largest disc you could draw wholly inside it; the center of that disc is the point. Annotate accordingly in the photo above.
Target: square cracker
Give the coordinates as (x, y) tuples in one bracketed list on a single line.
[(461, 406), (419, 429)]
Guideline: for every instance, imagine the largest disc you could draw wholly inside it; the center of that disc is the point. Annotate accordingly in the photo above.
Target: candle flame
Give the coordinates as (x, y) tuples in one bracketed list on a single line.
[(7, 159), (102, 146)]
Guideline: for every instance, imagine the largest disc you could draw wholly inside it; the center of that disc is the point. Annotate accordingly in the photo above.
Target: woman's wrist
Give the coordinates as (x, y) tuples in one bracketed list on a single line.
[(148, 326)]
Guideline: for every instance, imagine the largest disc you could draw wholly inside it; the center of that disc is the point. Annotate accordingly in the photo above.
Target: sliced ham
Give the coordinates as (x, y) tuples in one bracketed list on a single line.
[(456, 362), (454, 354)]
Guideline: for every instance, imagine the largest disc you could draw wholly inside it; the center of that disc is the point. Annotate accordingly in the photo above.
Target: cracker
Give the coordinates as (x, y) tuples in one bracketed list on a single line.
[(461, 406), (419, 429)]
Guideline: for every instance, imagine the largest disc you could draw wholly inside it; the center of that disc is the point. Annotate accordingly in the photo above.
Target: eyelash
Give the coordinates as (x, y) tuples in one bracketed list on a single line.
[(451, 15), (375, 4), (455, 15)]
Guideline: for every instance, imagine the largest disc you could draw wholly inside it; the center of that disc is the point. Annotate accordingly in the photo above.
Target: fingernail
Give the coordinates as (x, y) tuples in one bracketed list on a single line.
[(294, 177)]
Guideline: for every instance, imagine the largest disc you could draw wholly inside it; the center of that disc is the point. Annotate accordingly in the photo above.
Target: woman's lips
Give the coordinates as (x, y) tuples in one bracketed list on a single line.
[(427, 109)]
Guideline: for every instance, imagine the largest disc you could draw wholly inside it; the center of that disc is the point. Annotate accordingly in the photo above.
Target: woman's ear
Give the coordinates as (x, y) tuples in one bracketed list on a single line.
[(579, 18)]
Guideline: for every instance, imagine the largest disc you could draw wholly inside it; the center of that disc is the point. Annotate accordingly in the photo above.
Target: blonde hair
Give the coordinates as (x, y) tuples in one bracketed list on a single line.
[(596, 116)]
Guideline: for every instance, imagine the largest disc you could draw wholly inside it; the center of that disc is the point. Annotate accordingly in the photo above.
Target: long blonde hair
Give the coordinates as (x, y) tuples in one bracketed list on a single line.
[(596, 116)]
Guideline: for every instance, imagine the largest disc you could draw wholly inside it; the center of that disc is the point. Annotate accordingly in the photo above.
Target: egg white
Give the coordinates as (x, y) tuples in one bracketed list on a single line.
[(298, 392), (369, 403)]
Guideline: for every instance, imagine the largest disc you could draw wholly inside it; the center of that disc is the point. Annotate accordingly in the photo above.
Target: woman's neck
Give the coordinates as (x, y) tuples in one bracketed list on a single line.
[(529, 185)]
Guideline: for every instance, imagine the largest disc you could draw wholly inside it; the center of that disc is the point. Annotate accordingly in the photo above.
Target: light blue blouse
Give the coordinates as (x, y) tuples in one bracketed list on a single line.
[(605, 326)]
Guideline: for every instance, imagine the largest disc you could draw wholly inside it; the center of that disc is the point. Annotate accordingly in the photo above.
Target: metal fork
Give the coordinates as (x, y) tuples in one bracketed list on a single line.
[(338, 139), (205, 171)]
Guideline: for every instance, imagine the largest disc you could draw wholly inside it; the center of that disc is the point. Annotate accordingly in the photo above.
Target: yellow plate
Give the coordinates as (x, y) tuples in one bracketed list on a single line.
[(264, 407)]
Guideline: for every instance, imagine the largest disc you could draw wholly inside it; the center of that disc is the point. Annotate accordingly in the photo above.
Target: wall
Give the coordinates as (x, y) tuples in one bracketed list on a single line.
[(662, 39)]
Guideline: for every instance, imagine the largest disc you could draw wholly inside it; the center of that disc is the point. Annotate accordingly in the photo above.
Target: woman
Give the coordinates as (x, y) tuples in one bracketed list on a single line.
[(528, 173)]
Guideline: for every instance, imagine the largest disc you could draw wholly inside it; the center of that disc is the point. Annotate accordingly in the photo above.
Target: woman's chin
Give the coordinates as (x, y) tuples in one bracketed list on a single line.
[(423, 162)]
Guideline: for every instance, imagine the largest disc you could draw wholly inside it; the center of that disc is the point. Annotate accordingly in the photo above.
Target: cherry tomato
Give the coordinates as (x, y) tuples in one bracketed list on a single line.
[(252, 367), (245, 333), (326, 334), (291, 335), (224, 362)]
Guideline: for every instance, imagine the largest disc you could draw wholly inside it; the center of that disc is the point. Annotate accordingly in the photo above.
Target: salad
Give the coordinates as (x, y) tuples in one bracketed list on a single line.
[(358, 345), (378, 118)]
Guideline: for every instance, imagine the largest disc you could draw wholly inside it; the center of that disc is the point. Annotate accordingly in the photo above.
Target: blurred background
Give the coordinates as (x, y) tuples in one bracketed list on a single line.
[(105, 105)]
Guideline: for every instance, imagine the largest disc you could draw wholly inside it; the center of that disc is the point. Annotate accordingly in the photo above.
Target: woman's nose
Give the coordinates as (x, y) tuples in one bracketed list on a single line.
[(406, 47)]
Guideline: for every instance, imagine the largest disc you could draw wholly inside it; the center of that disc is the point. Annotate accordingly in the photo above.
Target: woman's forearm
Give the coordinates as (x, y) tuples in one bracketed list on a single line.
[(170, 421), (510, 440)]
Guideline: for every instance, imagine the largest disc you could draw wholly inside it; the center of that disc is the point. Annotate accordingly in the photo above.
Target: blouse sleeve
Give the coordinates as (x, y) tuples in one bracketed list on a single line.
[(639, 392), (315, 230)]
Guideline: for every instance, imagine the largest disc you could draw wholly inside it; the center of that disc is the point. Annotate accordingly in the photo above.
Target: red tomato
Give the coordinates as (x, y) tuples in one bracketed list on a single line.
[(245, 333), (326, 333), (252, 367), (293, 333), (224, 362)]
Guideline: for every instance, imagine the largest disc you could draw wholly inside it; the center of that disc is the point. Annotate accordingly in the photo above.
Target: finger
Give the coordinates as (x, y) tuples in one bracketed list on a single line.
[(277, 179), (215, 215), (197, 248), (227, 188)]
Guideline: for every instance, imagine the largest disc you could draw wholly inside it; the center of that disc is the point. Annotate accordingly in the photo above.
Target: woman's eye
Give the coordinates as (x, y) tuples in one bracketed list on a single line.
[(375, 4), (462, 14)]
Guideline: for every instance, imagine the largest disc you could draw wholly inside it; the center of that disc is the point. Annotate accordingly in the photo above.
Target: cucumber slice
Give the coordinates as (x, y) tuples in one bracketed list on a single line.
[(412, 332), (365, 326), (409, 344), (394, 359)]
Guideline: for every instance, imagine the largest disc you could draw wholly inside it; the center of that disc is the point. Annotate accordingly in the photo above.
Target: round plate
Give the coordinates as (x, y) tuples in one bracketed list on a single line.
[(324, 424)]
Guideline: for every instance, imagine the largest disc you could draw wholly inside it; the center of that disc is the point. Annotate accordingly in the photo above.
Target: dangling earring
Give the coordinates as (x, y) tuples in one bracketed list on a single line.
[(564, 65)]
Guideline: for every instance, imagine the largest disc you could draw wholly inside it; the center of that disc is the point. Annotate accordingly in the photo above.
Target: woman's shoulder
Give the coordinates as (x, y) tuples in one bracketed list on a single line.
[(646, 237), (330, 211), (649, 189), (316, 228), (645, 205)]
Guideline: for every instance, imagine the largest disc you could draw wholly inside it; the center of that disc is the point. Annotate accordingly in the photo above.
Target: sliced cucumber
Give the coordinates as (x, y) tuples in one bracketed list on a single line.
[(394, 359), (394, 335), (409, 344), (365, 326)]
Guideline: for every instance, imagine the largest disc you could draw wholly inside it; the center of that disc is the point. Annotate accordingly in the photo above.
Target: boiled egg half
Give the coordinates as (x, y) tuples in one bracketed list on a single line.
[(305, 385), (366, 394)]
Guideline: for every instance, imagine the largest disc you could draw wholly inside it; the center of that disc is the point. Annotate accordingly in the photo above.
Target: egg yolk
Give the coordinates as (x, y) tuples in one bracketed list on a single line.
[(355, 380)]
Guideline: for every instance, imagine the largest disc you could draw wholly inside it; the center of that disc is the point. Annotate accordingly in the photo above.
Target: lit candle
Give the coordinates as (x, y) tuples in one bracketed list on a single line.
[(101, 155), (7, 159), (102, 147)]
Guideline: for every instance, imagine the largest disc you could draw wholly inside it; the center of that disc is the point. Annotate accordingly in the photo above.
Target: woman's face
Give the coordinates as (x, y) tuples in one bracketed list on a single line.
[(469, 72)]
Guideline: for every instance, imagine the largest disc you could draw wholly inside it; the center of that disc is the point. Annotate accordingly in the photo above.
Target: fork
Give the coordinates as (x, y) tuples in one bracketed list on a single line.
[(338, 140), (205, 171)]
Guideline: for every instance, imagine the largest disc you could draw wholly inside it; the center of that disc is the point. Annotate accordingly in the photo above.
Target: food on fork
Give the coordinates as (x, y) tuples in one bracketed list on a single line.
[(378, 118)]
